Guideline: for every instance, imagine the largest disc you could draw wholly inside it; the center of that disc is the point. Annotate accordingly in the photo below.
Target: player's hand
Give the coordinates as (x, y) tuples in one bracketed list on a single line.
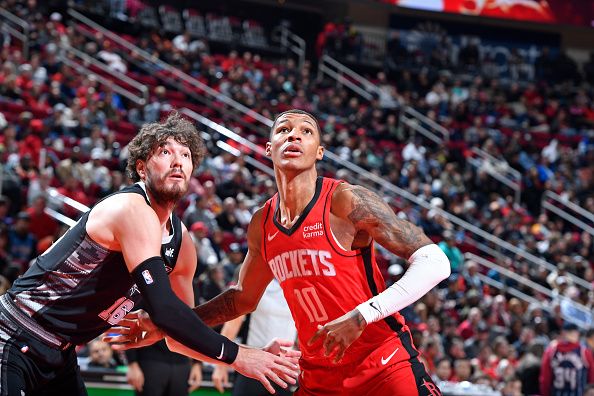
[(266, 367), (220, 377), (283, 348), (134, 331), (339, 334), (195, 378), (135, 376)]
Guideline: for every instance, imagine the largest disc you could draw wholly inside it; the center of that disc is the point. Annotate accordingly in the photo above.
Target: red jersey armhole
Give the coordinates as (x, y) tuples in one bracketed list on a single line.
[(265, 214), (327, 229)]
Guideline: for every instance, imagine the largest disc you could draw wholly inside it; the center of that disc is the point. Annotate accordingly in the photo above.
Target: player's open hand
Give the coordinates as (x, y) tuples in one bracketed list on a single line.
[(266, 367), (134, 331), (339, 334), (283, 348)]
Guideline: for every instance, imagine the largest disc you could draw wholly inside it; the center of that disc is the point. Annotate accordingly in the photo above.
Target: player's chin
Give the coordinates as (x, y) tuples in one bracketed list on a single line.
[(177, 183), (292, 164), (178, 190)]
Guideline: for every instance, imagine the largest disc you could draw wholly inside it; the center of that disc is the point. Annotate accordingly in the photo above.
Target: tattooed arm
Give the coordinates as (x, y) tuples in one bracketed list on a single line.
[(367, 216), (254, 276)]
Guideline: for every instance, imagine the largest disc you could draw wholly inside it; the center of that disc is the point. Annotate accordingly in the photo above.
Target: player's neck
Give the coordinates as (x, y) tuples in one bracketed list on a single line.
[(163, 210), (295, 191)]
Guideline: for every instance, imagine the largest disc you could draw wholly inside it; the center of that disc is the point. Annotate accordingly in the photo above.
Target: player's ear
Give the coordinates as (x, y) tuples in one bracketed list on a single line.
[(141, 169), (320, 154), (268, 149)]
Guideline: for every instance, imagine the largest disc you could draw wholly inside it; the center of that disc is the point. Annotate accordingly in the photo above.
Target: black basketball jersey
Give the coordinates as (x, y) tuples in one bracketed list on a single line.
[(78, 289)]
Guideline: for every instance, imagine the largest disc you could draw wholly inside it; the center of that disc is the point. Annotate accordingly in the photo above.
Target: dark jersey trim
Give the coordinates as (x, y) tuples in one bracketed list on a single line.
[(268, 206), (390, 320), (425, 384), (133, 188), (303, 216), (328, 229)]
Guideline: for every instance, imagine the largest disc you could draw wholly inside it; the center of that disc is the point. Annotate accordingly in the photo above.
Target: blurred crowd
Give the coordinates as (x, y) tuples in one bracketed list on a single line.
[(64, 134)]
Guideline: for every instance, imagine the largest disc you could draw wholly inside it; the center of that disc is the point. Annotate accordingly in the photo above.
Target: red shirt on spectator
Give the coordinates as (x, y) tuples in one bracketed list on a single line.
[(76, 194), (465, 330), (42, 224)]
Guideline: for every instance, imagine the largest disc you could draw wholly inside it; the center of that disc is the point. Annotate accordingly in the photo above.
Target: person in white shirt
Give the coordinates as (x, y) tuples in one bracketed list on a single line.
[(271, 319)]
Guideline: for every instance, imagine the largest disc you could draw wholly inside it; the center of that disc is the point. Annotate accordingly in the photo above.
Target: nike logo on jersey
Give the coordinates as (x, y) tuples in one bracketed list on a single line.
[(169, 252), (374, 307), (272, 236), (222, 351), (386, 360)]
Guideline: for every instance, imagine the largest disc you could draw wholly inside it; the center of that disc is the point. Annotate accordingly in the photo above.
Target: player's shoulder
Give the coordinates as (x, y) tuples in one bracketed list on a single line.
[(342, 197), (257, 217), (254, 232), (123, 207), (127, 201), (343, 187)]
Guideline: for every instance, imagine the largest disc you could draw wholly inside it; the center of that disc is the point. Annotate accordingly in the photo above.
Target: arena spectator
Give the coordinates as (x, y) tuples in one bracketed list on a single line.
[(22, 243), (101, 355)]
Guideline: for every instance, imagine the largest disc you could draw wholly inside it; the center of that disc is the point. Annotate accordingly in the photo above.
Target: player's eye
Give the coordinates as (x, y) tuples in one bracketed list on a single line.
[(284, 130), (164, 151), (307, 130)]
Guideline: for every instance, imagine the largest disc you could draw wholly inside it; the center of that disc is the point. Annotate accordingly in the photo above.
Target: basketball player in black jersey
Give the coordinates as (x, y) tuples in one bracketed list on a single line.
[(129, 246)]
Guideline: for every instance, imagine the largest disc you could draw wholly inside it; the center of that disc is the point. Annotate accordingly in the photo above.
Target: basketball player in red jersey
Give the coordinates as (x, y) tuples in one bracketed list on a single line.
[(315, 236)]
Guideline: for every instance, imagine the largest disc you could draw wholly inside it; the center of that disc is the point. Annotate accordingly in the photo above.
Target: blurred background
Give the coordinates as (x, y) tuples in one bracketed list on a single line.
[(473, 119)]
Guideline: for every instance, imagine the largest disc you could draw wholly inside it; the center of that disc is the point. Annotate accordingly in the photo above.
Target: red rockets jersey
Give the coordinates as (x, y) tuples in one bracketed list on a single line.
[(321, 280)]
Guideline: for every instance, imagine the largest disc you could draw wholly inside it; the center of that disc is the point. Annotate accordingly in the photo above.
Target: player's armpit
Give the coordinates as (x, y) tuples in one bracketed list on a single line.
[(368, 212)]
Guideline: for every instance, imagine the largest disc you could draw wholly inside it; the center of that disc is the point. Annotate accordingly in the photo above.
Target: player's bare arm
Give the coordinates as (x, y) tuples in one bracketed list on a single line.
[(368, 213), (254, 276), (368, 218)]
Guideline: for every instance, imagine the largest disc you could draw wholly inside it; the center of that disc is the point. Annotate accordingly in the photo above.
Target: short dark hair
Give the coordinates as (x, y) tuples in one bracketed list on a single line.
[(443, 359), (297, 111), (153, 135)]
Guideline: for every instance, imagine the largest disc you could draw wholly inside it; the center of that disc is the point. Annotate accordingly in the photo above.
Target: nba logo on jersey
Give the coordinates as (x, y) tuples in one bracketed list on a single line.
[(147, 277)]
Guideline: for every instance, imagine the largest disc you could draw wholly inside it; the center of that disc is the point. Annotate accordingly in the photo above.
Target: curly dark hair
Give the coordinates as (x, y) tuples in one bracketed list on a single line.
[(153, 135)]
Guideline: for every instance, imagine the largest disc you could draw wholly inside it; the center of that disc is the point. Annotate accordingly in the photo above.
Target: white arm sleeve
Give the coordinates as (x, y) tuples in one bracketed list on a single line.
[(428, 266)]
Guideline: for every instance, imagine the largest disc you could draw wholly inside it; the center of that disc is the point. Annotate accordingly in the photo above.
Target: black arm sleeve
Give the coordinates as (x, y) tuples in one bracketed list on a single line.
[(174, 317), (132, 355)]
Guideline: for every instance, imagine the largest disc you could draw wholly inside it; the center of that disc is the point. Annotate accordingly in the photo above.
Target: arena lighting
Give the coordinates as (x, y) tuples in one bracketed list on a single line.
[(545, 11)]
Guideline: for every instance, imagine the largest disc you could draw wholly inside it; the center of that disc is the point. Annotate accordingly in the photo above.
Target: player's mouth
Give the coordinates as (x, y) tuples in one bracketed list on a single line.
[(292, 150), (177, 176)]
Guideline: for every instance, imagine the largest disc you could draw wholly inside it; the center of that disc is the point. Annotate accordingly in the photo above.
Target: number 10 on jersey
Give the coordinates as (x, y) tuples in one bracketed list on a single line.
[(311, 304)]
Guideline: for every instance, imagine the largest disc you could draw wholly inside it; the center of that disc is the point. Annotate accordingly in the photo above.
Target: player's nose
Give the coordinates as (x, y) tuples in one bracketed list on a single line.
[(294, 135), (176, 160)]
